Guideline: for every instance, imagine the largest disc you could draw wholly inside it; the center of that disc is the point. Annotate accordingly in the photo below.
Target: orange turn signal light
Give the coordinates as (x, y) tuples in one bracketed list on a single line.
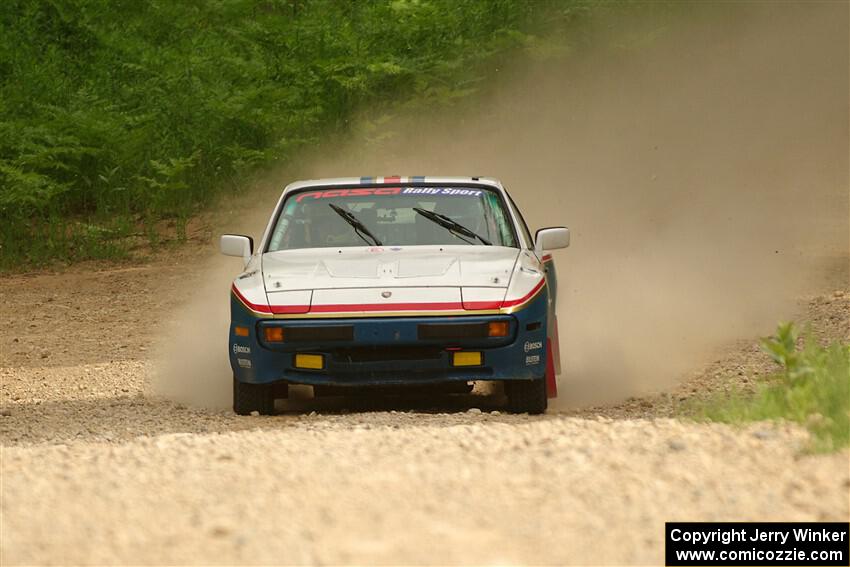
[(498, 329), (240, 331), (273, 334)]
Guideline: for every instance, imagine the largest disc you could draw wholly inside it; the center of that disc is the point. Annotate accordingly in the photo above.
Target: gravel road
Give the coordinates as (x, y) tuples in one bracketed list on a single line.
[(95, 472), (699, 175)]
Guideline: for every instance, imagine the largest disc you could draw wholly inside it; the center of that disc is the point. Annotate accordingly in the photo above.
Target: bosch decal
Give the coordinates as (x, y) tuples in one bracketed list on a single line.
[(239, 349), (529, 346)]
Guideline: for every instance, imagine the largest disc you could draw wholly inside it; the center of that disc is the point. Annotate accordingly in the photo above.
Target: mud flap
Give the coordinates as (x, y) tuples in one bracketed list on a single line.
[(551, 381), (556, 346)]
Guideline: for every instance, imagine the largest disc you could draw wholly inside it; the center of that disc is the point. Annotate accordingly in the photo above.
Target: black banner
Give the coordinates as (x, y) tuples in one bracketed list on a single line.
[(757, 543)]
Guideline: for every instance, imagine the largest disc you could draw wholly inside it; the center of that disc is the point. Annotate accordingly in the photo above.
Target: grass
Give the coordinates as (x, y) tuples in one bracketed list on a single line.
[(118, 116), (812, 388)]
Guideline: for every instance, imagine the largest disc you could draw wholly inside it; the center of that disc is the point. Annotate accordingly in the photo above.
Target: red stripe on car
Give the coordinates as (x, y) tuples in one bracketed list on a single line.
[(475, 305), (354, 307), (248, 304), (526, 297), (290, 309), (351, 307)]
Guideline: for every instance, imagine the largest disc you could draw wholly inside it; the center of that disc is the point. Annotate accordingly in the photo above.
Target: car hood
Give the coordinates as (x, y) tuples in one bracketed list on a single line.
[(351, 279), (329, 268)]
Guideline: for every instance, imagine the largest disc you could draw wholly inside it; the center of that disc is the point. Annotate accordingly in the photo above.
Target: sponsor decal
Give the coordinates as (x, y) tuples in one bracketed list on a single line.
[(533, 359), (529, 346), (380, 191), (239, 349), (244, 362), (442, 191), (364, 192)]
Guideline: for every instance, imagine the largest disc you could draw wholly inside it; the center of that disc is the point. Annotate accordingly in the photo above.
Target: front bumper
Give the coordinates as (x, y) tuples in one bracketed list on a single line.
[(364, 351)]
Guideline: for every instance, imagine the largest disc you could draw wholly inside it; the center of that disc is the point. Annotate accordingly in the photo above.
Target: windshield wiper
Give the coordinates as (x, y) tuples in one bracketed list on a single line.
[(454, 227), (359, 227)]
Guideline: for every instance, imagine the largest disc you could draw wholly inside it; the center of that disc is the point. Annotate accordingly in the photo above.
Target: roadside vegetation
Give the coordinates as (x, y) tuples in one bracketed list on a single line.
[(812, 388), (118, 118)]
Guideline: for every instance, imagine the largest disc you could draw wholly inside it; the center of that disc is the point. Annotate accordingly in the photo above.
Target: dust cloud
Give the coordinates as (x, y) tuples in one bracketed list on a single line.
[(191, 361), (701, 163)]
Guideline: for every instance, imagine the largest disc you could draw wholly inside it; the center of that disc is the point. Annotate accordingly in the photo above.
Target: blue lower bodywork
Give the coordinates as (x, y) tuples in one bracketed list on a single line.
[(389, 351)]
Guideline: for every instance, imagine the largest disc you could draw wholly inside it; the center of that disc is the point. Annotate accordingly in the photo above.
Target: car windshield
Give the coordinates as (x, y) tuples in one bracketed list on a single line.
[(392, 216)]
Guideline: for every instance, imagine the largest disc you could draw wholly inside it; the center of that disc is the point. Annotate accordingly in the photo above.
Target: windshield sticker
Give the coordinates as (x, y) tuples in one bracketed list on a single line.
[(380, 191), (348, 193), (442, 191)]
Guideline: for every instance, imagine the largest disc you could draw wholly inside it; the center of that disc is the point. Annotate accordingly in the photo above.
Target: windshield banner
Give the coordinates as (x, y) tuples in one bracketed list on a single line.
[(381, 191)]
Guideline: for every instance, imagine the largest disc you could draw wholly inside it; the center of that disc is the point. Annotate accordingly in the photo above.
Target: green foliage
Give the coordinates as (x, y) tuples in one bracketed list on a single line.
[(812, 388), (145, 109)]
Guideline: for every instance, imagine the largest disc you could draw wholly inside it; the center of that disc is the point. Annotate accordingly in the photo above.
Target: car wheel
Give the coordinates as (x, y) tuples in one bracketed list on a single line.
[(252, 397), (527, 396)]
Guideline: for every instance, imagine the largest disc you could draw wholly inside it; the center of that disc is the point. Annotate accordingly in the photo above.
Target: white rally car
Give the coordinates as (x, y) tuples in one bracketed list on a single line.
[(395, 281)]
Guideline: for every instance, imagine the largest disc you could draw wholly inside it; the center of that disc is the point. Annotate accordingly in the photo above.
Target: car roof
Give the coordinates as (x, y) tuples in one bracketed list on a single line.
[(393, 180)]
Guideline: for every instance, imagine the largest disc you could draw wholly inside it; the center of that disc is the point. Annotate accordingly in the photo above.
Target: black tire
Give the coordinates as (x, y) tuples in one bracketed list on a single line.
[(527, 396), (252, 397)]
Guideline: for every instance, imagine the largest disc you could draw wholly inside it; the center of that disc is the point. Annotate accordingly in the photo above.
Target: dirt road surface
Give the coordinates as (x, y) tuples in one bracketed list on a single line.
[(705, 180), (95, 472)]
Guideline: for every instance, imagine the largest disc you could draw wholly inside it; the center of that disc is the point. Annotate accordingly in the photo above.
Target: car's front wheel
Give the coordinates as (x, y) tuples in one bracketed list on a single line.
[(527, 396), (252, 397)]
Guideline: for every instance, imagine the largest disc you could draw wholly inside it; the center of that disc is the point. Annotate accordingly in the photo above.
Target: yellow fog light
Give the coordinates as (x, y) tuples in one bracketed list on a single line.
[(240, 331), (310, 361), (466, 358), (273, 334), (497, 329)]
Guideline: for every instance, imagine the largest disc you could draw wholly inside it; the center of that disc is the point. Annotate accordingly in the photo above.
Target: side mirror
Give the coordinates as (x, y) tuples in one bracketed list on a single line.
[(237, 245), (551, 239)]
